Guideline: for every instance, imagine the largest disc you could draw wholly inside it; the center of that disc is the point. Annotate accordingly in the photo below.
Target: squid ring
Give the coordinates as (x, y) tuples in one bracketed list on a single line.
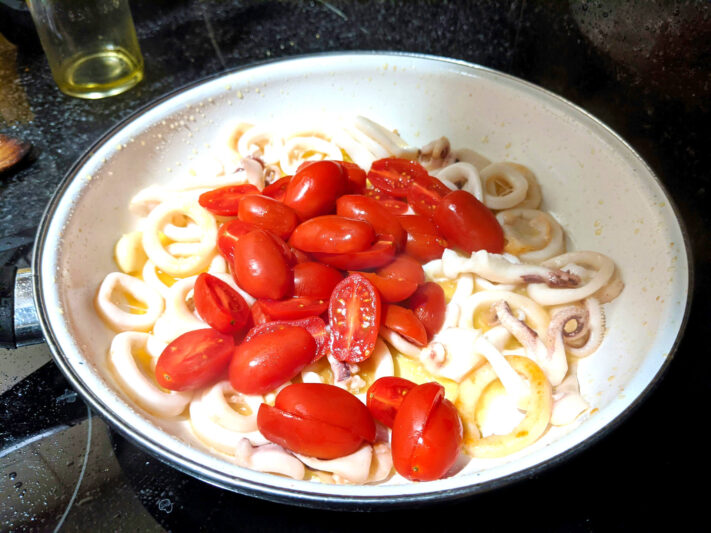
[(463, 175), (533, 195), (260, 142), (144, 391), (180, 266), (535, 423), (295, 148), (515, 179), (532, 235), (604, 268), (534, 312), (119, 319), (222, 413)]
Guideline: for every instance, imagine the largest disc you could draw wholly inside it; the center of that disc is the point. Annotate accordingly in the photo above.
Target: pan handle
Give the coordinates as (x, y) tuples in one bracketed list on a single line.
[(19, 323)]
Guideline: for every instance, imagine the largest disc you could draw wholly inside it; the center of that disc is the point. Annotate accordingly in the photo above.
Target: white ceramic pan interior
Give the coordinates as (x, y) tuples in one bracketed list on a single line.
[(605, 196)]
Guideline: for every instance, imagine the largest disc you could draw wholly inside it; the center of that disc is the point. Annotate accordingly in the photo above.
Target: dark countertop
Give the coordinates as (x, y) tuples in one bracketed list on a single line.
[(644, 68)]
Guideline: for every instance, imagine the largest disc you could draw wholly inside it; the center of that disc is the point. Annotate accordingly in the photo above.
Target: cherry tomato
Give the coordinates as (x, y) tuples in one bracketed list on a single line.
[(403, 268), (423, 240), (314, 189), (425, 194), (394, 175), (333, 234), (354, 317), (259, 266), (300, 257), (315, 280), (381, 253), (225, 200), (220, 305), (355, 176), (268, 360), (468, 224), (427, 434), (429, 305), (267, 213), (391, 289), (258, 315), (313, 324), (384, 223), (404, 322), (396, 207), (228, 235), (195, 359), (277, 190), (385, 396), (293, 308)]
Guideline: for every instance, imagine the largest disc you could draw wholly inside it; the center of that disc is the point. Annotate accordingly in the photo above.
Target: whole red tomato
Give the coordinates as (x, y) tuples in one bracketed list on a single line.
[(259, 266), (384, 223), (314, 189), (269, 214), (429, 305), (467, 224), (315, 280), (333, 234)]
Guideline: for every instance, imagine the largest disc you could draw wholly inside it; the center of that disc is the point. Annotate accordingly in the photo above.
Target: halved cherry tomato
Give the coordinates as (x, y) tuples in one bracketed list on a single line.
[(425, 194), (468, 224), (423, 240), (313, 324), (315, 280), (293, 308), (228, 235), (277, 190), (268, 360), (385, 396), (385, 224), (258, 315), (396, 207), (195, 359), (427, 434), (391, 289), (403, 267), (225, 200), (259, 266), (354, 317), (220, 305), (429, 305), (333, 234), (394, 175), (404, 322), (314, 189), (267, 213), (381, 253)]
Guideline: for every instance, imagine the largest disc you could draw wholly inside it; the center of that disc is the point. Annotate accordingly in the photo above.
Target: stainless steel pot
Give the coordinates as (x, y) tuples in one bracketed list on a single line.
[(590, 179)]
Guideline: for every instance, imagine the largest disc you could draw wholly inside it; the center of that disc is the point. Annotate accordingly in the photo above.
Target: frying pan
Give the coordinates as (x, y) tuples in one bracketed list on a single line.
[(601, 191)]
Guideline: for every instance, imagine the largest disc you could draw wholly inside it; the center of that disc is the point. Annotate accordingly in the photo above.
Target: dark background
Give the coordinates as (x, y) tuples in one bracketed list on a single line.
[(644, 68)]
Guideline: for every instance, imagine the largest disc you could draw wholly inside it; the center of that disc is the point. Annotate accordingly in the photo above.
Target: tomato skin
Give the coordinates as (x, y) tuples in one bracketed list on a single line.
[(293, 308), (385, 224), (228, 235), (268, 360), (313, 438), (354, 316), (395, 207), (333, 234), (467, 224), (385, 396), (404, 322), (427, 434), (423, 240), (315, 280), (269, 214), (225, 201), (403, 267), (381, 253), (391, 289), (259, 266), (220, 305), (425, 194), (327, 403), (355, 176), (195, 359), (394, 175), (429, 306), (314, 189), (313, 324), (277, 190)]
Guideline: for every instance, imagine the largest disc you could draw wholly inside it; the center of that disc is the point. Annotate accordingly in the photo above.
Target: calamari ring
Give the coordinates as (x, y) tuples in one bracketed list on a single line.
[(226, 416), (473, 158), (180, 266), (528, 431), (119, 319), (232, 133), (144, 391), (462, 176), (292, 154), (189, 232), (354, 467), (270, 458), (357, 152), (150, 276), (390, 141), (536, 314), (532, 235), (533, 195), (399, 342), (515, 179), (129, 253), (178, 317), (604, 268), (262, 142)]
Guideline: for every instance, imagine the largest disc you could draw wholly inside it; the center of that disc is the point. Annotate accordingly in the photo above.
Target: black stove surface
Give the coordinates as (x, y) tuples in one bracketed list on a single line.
[(644, 68)]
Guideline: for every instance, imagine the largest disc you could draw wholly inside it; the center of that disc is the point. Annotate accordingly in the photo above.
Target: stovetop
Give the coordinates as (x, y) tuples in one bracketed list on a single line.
[(644, 68)]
